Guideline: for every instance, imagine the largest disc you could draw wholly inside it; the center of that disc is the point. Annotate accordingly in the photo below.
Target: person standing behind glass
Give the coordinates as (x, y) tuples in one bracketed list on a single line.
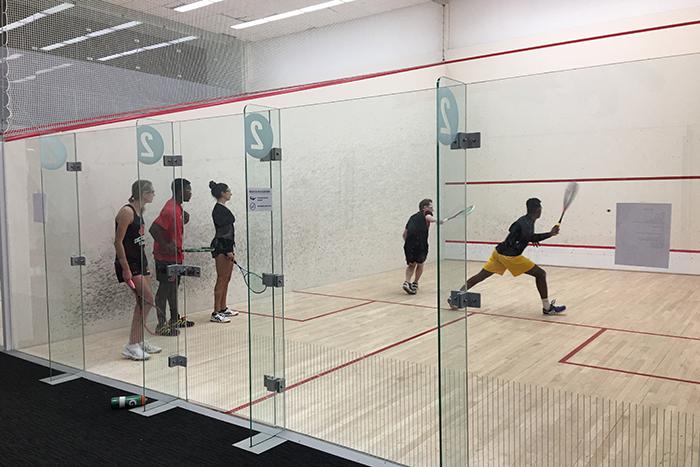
[(131, 266), (223, 250)]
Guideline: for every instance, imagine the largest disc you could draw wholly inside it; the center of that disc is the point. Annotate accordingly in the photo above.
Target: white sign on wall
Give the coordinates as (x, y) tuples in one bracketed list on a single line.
[(643, 234), (259, 199)]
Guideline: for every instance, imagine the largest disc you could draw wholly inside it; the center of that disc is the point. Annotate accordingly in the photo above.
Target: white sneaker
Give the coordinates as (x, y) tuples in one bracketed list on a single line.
[(150, 348), (219, 318), (228, 312), (134, 352)]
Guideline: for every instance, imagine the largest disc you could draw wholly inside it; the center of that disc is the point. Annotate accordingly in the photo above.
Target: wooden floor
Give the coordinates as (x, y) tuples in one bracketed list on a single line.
[(360, 363)]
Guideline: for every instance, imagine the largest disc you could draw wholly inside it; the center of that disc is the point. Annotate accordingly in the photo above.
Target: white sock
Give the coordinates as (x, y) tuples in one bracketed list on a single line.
[(545, 303)]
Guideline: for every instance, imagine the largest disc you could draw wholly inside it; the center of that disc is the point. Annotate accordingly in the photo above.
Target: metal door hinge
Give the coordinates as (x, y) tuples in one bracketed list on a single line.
[(273, 280), (273, 384), (466, 141), (172, 161)]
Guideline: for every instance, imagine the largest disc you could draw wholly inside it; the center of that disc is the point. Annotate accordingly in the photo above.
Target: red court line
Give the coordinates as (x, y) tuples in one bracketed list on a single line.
[(582, 345), (564, 245), (346, 364), (270, 316), (522, 318), (580, 180), (365, 299), (298, 320), (565, 360), (635, 373), (124, 116)]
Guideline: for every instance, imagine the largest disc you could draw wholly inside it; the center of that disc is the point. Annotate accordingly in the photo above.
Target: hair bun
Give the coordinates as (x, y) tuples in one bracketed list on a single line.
[(212, 184)]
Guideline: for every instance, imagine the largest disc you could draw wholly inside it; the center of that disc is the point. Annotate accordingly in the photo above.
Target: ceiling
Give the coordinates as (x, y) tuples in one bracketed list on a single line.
[(219, 18)]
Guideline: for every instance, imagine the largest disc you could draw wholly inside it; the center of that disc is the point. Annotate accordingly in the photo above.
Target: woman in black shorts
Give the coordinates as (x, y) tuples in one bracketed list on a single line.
[(131, 266), (223, 245)]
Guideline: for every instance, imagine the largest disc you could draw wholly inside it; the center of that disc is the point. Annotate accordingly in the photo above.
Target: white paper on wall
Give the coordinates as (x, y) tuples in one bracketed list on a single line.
[(643, 234)]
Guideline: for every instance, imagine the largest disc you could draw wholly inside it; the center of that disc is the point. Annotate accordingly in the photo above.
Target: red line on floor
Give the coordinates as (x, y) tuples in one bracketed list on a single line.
[(579, 180), (346, 364), (582, 345), (270, 316), (365, 299), (635, 373), (299, 320), (337, 311)]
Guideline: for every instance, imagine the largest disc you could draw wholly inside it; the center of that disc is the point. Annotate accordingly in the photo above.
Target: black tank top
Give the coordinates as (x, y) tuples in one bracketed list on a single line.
[(133, 239)]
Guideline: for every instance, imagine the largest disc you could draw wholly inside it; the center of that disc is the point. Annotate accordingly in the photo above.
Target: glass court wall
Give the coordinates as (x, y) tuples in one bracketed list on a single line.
[(363, 363)]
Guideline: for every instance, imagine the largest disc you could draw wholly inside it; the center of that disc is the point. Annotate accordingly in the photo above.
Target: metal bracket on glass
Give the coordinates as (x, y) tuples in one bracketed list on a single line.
[(74, 166), (273, 280), (275, 154), (466, 141), (77, 260), (172, 161), (273, 384), (176, 270), (177, 360), (463, 299)]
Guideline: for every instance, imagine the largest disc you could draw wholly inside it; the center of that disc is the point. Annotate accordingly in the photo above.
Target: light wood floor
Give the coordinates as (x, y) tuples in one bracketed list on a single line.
[(360, 363)]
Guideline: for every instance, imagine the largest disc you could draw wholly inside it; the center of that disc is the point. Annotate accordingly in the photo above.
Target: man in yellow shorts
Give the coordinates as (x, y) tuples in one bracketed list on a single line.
[(508, 256)]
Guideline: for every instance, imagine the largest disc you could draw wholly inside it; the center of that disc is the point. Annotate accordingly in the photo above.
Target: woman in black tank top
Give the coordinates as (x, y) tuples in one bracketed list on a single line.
[(131, 265), (222, 251)]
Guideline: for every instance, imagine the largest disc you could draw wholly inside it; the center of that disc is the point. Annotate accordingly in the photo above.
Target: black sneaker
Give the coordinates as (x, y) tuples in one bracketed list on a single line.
[(553, 309), (182, 323), (407, 288), (166, 330), (414, 287)]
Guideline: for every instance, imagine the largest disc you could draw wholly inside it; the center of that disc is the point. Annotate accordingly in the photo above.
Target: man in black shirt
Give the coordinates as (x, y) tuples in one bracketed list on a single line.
[(508, 255), (415, 247)]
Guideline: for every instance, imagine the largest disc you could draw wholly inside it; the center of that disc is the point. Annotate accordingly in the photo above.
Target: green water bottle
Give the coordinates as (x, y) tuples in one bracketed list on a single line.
[(129, 402)]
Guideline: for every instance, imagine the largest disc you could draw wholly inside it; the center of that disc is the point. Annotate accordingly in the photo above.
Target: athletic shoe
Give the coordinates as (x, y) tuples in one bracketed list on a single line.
[(167, 330), (553, 309), (414, 287), (181, 322), (408, 289), (150, 348), (219, 317), (229, 313), (134, 352)]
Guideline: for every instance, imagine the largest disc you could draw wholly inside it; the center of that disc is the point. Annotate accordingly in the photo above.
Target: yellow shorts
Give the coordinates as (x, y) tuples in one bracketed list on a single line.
[(517, 265)]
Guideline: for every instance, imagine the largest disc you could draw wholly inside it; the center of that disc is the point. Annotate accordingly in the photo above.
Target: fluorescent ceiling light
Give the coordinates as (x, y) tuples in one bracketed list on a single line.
[(291, 13), (41, 72), (195, 5), (148, 47), (11, 57), (36, 16), (101, 32)]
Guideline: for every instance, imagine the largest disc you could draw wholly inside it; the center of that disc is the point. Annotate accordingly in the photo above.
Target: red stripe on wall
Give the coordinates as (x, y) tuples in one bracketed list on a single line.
[(562, 245), (579, 180), (153, 112)]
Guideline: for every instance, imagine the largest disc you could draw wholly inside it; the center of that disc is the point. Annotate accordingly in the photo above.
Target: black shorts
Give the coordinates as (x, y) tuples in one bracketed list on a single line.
[(220, 248), (162, 272), (415, 253), (137, 268)]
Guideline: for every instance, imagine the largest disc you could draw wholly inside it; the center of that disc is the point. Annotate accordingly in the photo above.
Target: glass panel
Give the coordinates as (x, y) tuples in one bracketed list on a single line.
[(217, 352), (105, 188), (59, 200), (264, 256), (452, 263), (163, 220)]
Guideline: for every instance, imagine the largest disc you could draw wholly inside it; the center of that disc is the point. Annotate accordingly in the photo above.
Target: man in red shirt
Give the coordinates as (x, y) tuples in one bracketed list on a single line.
[(167, 231)]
